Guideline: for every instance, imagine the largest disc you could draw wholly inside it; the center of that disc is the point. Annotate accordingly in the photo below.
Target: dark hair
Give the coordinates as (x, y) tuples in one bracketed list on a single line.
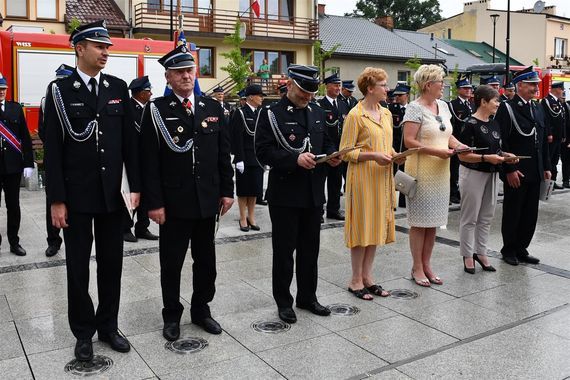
[(485, 92)]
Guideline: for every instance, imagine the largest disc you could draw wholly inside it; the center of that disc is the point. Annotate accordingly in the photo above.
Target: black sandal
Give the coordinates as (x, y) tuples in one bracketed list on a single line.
[(377, 290), (361, 293)]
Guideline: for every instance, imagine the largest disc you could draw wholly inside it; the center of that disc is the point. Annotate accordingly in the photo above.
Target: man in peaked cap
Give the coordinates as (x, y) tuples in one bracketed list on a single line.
[(289, 136), (492, 81), (16, 158), (53, 239), (398, 109), (336, 110), (461, 109), (346, 93), (509, 92), (219, 94), (187, 184), (90, 136), (555, 122), (523, 133), (141, 92)]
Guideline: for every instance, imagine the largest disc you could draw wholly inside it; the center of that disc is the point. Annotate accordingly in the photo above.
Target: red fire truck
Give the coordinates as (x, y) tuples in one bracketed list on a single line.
[(28, 62)]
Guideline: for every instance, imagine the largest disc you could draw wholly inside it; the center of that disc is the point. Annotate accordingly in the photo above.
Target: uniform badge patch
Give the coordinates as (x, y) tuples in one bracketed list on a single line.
[(105, 83), (201, 104), (175, 139), (76, 84), (292, 137), (212, 119), (114, 101), (180, 129), (204, 124), (496, 135), (290, 108), (172, 104), (484, 129)]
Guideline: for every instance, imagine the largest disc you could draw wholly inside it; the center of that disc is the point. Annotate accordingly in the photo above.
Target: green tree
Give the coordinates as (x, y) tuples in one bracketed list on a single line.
[(407, 14), (73, 24), (320, 57), (239, 65), (454, 78), (413, 64)]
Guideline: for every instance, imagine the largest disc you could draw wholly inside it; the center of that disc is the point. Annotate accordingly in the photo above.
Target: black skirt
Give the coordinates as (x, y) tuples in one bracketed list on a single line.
[(250, 183)]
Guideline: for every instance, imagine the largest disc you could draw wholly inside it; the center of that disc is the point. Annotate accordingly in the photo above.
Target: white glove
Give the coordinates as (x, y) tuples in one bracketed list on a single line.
[(240, 167), (28, 172)]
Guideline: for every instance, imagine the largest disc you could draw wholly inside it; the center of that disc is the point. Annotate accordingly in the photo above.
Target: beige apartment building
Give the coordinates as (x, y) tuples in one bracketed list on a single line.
[(33, 15), (535, 33), (283, 34)]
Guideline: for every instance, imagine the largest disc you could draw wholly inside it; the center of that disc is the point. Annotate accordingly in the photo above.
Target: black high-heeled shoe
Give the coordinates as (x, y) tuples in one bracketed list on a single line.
[(244, 229), (468, 270), (252, 226), (488, 268)]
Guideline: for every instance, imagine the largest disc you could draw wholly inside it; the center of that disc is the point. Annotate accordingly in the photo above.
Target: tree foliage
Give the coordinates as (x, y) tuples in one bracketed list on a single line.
[(320, 56), (413, 64), (407, 14), (74, 23), (239, 65)]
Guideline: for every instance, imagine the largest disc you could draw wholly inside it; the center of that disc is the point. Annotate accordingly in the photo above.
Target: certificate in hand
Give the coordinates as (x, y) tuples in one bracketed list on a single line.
[(405, 153), (337, 154), (468, 149), (126, 192), (514, 158)]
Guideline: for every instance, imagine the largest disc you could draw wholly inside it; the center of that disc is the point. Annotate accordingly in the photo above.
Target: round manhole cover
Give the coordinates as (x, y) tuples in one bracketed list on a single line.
[(270, 327), (343, 310), (186, 345), (98, 365), (405, 294)]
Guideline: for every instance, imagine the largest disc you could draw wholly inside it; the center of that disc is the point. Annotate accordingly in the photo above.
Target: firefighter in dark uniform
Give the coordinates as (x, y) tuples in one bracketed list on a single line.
[(219, 94), (346, 93), (336, 110), (555, 123), (141, 92), (492, 81), (289, 136), (53, 239), (187, 182), (90, 136), (565, 148), (398, 110), (16, 157), (509, 92), (461, 109), (523, 134)]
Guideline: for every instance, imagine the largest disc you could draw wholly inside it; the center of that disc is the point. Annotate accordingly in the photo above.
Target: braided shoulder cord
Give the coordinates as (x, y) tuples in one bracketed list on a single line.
[(281, 139), (247, 130), (64, 120), (160, 126)]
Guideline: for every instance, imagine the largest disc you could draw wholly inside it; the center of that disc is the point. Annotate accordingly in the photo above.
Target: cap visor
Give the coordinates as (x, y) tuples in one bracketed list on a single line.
[(307, 86), (182, 65), (103, 40)]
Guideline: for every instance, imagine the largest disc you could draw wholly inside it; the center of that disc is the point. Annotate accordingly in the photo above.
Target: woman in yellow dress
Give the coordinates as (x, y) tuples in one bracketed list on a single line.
[(370, 194)]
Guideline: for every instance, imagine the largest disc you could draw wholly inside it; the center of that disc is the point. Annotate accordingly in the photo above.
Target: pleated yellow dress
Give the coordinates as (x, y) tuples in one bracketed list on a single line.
[(370, 195)]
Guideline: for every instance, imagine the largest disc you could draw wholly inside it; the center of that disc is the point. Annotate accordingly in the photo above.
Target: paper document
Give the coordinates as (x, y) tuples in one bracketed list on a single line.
[(509, 159), (336, 154), (468, 149), (405, 153), (126, 192), (546, 188)]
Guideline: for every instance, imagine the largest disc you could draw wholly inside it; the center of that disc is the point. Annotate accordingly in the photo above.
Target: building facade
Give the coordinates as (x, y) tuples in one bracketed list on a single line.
[(33, 15)]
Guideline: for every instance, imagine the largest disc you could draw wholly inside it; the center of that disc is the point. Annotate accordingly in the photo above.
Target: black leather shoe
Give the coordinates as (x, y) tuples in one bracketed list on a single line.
[(557, 186), (322, 220), (487, 268), (52, 250), (209, 325), (566, 185), (171, 331), (244, 229), (17, 250), (455, 199), (335, 215), (287, 314), (260, 202), (146, 234), (466, 269), (511, 260), (254, 227), (529, 259), (116, 341), (84, 350), (129, 237), (315, 308)]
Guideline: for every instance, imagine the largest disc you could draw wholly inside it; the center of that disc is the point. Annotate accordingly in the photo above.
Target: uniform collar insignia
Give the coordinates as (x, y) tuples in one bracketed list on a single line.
[(105, 83), (290, 108), (201, 104), (76, 84), (520, 103), (172, 104), (310, 109)]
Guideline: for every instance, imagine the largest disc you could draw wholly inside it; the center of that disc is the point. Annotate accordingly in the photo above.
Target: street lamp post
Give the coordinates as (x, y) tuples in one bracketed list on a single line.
[(494, 17)]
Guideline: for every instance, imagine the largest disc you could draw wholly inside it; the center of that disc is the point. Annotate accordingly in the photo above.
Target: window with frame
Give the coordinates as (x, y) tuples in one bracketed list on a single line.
[(17, 8), (186, 6), (46, 9), (206, 62), (403, 76), (278, 61), (560, 47), (277, 10)]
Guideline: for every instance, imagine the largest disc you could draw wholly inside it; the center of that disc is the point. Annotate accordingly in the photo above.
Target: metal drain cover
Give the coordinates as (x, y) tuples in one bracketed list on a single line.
[(343, 309), (270, 327), (187, 345), (98, 365), (404, 294)]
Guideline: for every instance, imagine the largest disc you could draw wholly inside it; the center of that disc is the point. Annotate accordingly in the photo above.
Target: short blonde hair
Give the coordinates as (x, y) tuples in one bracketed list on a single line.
[(369, 77), (426, 74)]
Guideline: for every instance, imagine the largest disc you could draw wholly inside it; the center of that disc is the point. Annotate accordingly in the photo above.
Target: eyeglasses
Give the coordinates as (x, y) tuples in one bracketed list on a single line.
[(385, 85), (437, 81), (442, 126)]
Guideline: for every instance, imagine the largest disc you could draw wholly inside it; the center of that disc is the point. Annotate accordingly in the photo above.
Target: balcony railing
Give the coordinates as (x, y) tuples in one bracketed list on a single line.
[(222, 21)]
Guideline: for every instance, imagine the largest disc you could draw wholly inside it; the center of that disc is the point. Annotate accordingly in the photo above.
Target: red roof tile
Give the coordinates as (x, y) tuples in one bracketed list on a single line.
[(87, 11)]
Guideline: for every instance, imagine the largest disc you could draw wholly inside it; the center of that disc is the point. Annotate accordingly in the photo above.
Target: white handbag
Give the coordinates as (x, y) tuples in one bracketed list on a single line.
[(405, 183)]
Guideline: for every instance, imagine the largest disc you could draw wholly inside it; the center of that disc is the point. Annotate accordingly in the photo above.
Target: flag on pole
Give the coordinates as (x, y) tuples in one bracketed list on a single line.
[(255, 8), (180, 41)]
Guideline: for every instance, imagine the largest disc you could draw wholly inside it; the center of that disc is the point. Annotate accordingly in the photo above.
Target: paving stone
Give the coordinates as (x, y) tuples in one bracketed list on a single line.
[(10, 347), (15, 369), (47, 333)]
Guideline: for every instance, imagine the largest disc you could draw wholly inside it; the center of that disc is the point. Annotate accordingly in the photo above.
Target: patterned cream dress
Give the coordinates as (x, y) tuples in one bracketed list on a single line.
[(429, 207), (370, 195)]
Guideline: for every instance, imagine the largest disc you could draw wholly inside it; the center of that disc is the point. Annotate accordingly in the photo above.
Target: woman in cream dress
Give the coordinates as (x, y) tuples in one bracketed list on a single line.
[(427, 125)]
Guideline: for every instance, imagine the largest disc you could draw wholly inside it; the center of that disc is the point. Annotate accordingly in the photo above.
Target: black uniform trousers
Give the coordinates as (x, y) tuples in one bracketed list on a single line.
[(565, 157), (175, 235), (53, 238), (454, 176), (10, 184), (83, 319), (142, 220), (520, 213), (554, 148), (334, 186), (295, 229)]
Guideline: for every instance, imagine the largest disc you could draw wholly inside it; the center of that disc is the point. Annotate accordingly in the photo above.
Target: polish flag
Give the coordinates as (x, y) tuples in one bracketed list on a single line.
[(255, 8)]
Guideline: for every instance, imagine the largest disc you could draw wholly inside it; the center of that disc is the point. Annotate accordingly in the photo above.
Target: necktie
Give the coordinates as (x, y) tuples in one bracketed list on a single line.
[(334, 104), (188, 105), (93, 83)]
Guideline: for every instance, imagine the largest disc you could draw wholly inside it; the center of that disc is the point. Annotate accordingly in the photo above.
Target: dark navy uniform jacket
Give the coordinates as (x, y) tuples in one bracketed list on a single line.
[(513, 142), (242, 143), (554, 117), (289, 184), (86, 176), (334, 118), (189, 185), (459, 113), (398, 111), (12, 161)]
